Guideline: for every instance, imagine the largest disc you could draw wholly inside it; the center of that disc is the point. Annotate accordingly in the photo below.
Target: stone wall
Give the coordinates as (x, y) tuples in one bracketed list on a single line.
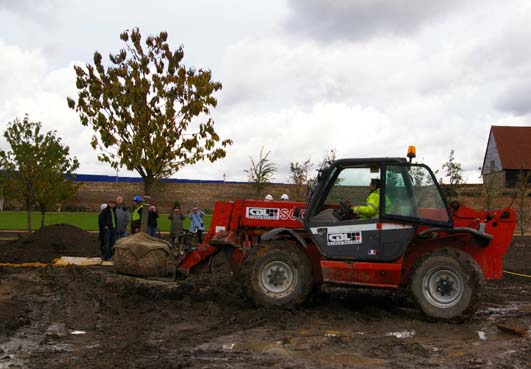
[(91, 194), (205, 194)]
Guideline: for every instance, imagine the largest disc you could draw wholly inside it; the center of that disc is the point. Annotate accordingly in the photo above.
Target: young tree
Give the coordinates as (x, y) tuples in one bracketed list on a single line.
[(261, 172), (38, 169), (491, 189), (419, 176), (2, 186), (149, 112), (522, 189), (300, 177), (56, 187), (453, 171), (328, 157)]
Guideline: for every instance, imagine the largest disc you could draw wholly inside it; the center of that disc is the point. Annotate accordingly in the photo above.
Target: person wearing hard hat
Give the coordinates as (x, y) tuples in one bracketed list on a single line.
[(136, 218), (268, 197), (372, 208), (284, 197)]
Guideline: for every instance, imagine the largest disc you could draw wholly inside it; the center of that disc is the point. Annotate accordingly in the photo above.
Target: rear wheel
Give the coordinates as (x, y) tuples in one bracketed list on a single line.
[(447, 285), (276, 273)]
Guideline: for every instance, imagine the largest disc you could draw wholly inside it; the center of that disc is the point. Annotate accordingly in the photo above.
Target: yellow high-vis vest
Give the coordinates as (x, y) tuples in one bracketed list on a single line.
[(372, 209)]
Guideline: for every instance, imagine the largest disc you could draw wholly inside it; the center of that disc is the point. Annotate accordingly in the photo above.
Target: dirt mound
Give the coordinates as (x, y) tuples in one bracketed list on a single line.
[(49, 243), (517, 258)]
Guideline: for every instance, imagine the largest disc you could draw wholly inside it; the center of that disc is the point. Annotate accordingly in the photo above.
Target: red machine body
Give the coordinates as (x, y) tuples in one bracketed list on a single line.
[(237, 228), (281, 251)]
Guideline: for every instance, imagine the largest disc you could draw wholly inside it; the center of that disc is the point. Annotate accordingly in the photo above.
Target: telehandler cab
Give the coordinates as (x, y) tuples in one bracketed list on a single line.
[(283, 251)]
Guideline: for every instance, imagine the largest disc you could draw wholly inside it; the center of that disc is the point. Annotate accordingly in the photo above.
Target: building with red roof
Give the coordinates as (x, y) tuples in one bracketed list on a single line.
[(508, 153)]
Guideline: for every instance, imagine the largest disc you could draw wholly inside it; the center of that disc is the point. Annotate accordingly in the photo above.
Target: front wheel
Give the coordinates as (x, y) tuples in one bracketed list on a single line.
[(447, 285), (276, 273)]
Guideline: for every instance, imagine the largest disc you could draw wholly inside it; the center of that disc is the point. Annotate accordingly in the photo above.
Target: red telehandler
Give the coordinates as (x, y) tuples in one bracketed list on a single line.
[(283, 251)]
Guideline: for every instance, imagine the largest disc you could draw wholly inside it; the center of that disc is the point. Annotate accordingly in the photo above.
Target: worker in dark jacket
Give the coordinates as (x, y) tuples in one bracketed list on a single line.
[(107, 226), (101, 234), (152, 222)]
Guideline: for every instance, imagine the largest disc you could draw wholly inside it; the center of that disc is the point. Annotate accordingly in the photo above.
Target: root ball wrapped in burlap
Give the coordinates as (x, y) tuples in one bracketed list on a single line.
[(142, 255)]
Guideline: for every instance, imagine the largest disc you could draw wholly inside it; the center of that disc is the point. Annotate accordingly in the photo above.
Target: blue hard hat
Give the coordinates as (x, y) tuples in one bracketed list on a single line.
[(137, 198)]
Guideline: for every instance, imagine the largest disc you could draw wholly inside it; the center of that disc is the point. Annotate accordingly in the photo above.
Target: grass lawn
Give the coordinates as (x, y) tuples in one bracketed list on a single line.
[(16, 220)]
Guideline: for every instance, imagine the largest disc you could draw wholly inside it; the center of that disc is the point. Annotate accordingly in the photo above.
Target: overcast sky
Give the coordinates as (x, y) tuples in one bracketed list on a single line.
[(300, 77)]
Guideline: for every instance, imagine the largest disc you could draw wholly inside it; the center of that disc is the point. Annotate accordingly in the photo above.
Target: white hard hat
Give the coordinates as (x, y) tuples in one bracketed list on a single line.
[(103, 206), (269, 197), (284, 197)]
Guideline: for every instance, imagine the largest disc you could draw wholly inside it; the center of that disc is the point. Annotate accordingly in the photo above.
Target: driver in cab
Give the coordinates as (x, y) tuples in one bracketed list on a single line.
[(371, 209)]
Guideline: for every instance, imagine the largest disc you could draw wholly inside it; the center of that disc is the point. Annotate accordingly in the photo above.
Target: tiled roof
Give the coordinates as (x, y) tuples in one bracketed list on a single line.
[(514, 146)]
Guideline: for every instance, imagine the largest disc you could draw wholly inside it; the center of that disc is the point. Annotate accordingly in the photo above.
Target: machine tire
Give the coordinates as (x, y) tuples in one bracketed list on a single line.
[(447, 285), (276, 273)]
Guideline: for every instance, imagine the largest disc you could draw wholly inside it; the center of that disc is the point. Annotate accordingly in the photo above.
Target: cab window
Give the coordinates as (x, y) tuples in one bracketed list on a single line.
[(352, 184), (428, 199), (401, 200)]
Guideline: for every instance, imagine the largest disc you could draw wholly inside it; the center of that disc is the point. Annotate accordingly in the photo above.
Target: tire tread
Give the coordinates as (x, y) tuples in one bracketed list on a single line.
[(248, 279), (473, 278)]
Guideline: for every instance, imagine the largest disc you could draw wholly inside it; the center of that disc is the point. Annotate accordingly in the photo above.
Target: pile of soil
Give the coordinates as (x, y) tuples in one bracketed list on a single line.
[(518, 256), (50, 242)]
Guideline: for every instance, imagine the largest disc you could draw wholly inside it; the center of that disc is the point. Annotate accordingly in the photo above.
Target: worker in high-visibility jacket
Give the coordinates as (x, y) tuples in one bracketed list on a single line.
[(136, 216), (372, 208)]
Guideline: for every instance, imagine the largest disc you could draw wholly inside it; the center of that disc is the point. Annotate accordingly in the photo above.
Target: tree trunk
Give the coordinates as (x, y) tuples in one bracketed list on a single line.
[(29, 218), (43, 214), (522, 214), (148, 185)]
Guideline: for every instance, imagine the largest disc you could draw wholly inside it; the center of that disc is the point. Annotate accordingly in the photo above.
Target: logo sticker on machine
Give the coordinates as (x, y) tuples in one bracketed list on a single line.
[(262, 213), (344, 238)]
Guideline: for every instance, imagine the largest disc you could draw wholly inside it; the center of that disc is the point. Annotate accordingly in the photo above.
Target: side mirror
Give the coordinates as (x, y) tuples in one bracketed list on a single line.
[(455, 205)]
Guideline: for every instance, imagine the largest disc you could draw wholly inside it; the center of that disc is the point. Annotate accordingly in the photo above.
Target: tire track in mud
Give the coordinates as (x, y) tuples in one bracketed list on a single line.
[(133, 318), (202, 322)]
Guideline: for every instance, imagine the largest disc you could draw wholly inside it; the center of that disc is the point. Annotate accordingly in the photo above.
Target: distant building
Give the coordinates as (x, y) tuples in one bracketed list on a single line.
[(508, 152)]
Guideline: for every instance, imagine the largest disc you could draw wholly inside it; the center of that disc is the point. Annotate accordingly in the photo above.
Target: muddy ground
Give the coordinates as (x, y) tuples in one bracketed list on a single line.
[(202, 322)]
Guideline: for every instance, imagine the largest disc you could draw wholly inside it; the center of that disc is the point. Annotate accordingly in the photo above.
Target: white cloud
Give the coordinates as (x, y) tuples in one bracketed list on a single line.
[(31, 88), (360, 19), (435, 75), (20, 71)]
